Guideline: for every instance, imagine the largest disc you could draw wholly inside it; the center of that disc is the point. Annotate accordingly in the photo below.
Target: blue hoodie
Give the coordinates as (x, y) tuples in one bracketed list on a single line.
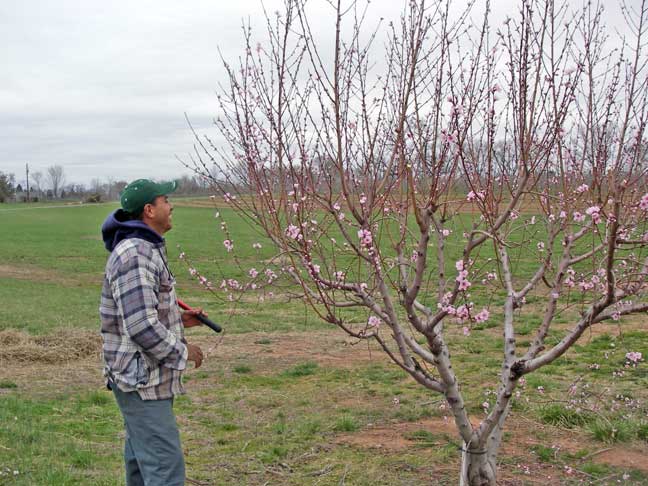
[(118, 226)]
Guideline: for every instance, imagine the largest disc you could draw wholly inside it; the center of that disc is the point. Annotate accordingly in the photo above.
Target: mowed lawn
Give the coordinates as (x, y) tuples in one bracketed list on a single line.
[(283, 398)]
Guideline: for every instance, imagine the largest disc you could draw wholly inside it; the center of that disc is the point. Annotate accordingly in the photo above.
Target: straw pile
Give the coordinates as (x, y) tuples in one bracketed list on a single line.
[(60, 347)]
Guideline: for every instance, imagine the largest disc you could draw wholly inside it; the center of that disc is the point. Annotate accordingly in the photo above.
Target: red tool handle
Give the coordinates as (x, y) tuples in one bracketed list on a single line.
[(207, 322)]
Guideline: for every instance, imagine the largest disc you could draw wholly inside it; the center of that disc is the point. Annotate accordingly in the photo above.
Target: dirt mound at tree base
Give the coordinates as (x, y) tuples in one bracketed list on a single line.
[(64, 346)]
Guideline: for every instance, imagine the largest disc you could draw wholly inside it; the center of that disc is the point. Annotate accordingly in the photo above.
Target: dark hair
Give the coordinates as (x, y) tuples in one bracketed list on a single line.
[(139, 214)]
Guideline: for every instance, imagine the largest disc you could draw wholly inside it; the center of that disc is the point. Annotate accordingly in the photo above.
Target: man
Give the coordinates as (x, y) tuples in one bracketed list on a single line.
[(144, 349)]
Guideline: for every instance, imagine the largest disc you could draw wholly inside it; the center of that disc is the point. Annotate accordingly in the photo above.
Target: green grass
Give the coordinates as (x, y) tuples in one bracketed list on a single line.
[(303, 369), (558, 414), (262, 417), (64, 441), (610, 431)]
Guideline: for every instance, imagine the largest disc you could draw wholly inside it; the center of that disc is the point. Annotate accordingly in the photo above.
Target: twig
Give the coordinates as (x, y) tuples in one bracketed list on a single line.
[(197, 483), (588, 456), (343, 478), (322, 472)]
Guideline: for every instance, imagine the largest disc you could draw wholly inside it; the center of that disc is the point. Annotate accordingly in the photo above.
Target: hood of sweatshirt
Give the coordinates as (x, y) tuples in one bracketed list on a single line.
[(118, 227)]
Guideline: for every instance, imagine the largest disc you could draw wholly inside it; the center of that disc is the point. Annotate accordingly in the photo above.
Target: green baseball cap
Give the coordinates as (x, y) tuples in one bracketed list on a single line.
[(141, 192)]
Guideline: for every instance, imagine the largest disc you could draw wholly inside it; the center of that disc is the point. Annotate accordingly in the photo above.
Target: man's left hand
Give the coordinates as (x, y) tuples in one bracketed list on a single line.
[(189, 318)]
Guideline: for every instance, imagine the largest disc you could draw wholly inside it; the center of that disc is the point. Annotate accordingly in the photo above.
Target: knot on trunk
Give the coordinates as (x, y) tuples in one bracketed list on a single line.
[(517, 369)]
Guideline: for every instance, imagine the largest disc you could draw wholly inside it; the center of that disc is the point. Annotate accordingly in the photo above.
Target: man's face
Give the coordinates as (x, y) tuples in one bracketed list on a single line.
[(160, 214)]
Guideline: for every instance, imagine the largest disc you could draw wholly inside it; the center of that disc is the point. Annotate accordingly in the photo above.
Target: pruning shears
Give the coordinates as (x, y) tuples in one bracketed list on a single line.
[(207, 322)]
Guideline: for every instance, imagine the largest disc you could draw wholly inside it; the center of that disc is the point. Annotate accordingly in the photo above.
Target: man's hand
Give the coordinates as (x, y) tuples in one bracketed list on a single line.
[(189, 317), (195, 354)]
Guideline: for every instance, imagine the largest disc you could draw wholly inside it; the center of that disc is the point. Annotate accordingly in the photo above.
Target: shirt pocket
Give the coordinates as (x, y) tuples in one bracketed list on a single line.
[(166, 298), (136, 372)]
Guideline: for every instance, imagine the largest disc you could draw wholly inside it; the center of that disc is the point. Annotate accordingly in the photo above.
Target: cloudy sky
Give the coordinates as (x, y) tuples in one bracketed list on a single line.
[(101, 87)]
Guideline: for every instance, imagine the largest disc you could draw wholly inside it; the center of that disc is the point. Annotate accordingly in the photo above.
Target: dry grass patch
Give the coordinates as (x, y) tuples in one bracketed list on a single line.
[(61, 347)]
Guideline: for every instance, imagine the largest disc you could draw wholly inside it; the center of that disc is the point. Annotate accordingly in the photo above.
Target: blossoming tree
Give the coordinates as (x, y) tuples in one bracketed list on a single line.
[(402, 185)]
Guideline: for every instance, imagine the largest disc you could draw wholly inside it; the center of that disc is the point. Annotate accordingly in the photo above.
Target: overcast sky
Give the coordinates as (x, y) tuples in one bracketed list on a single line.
[(101, 87)]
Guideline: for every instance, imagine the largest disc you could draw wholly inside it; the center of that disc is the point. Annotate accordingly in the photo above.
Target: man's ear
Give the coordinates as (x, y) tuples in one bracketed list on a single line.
[(148, 210)]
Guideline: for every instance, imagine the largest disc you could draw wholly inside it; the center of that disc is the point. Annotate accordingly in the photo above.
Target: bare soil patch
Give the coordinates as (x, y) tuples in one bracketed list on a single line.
[(322, 347), (397, 437)]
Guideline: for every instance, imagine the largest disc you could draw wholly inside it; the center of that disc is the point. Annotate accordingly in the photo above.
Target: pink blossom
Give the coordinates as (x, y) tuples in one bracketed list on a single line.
[(459, 265), (482, 316), (373, 321), (256, 246), (363, 199), (365, 237), (462, 312), (514, 215), (228, 197), (336, 206), (541, 390), (562, 215), (456, 110), (270, 275), (541, 246), (229, 246), (253, 273), (471, 196), (585, 286), (464, 285), (594, 212), (293, 232), (449, 309), (446, 232), (634, 357), (466, 331), (448, 138), (643, 204), (578, 217), (582, 188), (486, 406)]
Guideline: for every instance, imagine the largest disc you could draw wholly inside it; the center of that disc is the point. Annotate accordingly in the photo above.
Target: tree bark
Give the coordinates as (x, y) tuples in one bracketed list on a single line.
[(478, 467)]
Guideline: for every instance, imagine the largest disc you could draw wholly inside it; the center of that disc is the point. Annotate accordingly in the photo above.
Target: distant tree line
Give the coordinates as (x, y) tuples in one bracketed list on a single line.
[(51, 185)]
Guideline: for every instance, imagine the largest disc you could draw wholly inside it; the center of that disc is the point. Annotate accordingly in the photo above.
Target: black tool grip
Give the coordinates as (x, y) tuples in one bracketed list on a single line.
[(209, 323)]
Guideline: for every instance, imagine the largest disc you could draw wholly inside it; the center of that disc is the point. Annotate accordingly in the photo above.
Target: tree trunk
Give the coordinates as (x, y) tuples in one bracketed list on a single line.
[(478, 467)]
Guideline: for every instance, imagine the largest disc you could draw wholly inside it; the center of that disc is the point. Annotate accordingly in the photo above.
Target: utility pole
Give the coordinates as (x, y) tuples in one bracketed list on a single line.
[(27, 171)]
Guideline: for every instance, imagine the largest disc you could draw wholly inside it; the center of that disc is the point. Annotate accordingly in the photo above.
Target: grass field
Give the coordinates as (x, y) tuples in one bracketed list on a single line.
[(282, 399)]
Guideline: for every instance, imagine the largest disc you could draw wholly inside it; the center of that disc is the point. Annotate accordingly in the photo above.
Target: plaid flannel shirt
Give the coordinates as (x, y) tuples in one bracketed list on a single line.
[(143, 336)]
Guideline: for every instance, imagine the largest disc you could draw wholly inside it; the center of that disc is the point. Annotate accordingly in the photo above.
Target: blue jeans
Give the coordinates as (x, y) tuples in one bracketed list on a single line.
[(152, 453)]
